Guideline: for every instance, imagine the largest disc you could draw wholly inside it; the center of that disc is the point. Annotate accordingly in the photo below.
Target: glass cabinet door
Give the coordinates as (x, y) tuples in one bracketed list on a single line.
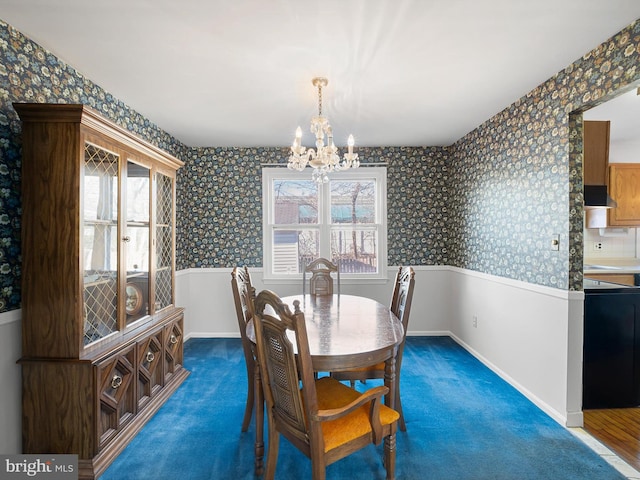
[(100, 242), (164, 241), (136, 242)]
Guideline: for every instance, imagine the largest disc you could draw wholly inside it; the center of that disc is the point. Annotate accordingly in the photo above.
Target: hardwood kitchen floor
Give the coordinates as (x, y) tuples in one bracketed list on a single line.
[(618, 429)]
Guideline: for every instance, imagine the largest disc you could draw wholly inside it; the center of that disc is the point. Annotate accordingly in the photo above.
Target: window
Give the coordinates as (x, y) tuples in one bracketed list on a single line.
[(343, 220)]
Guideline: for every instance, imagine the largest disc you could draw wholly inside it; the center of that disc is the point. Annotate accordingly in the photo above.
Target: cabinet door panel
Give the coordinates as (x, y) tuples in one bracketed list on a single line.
[(611, 362), (624, 188), (117, 393), (149, 367), (173, 352), (596, 152)]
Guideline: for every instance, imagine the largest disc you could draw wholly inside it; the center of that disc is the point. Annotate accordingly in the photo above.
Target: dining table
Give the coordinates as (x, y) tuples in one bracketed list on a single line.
[(344, 332)]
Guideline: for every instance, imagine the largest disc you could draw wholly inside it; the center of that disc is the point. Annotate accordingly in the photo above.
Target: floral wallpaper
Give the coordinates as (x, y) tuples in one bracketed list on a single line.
[(221, 222), (491, 202), (29, 73), (517, 178)]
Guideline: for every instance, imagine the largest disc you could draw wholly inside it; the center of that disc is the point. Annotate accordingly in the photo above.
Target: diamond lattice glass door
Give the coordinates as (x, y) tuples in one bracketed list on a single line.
[(164, 241), (100, 242)]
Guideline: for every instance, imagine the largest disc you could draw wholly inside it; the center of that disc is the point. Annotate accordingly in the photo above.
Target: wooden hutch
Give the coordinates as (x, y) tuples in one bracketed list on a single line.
[(102, 339)]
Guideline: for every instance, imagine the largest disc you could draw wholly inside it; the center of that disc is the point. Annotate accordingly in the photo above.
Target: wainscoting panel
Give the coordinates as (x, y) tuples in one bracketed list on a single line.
[(530, 335), (206, 295), (10, 377)]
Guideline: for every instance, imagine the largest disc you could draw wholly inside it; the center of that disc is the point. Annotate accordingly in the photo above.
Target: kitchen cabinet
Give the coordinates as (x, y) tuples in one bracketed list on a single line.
[(595, 167), (596, 152), (624, 188), (102, 345), (611, 361)]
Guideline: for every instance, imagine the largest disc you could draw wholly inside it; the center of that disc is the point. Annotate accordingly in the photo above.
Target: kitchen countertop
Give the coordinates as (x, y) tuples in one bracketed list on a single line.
[(599, 285), (611, 265)]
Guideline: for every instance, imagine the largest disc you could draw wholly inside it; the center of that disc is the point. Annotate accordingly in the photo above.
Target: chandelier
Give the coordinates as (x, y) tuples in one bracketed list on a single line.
[(325, 158)]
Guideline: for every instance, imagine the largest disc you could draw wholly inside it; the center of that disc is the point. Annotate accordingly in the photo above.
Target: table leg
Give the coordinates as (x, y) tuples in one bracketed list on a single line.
[(390, 379), (259, 405)]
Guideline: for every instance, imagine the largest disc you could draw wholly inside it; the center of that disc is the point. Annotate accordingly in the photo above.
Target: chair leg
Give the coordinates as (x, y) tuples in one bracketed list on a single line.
[(248, 409), (318, 471), (272, 452), (403, 426), (390, 456), (260, 410)]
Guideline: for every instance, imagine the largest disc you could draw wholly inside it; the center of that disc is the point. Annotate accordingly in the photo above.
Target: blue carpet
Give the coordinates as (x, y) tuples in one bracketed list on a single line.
[(463, 422)]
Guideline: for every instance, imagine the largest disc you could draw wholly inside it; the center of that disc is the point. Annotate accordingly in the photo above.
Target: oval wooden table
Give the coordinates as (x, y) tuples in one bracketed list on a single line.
[(345, 332)]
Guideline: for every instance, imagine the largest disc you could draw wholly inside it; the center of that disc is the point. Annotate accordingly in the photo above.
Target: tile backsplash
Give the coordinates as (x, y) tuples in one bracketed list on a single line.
[(611, 243)]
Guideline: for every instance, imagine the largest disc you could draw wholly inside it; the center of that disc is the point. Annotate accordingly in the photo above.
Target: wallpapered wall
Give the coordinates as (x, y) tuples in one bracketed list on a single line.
[(29, 73), (488, 203), (518, 177), (221, 220)]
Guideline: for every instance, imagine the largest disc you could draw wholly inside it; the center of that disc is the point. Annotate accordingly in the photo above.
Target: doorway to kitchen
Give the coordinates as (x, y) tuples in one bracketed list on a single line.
[(611, 250)]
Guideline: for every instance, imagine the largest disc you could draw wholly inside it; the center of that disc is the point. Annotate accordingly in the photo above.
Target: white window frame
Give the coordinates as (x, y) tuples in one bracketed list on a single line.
[(378, 174)]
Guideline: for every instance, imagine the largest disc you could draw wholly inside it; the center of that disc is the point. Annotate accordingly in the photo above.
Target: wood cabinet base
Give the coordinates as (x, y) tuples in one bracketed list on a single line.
[(89, 469), (92, 407)]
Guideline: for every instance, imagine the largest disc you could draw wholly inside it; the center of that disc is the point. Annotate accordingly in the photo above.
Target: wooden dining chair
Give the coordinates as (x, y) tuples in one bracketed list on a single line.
[(401, 307), (243, 296), (324, 419), (321, 281)]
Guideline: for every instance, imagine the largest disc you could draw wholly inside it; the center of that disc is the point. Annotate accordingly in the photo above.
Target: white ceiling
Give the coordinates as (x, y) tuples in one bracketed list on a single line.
[(238, 72)]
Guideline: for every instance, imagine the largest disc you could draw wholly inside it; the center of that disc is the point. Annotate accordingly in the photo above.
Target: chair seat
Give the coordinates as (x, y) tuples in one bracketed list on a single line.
[(333, 394)]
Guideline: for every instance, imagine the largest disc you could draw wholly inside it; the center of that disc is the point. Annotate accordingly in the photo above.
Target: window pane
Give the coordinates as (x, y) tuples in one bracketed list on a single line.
[(293, 249), (355, 250), (295, 202), (353, 201), (342, 220)]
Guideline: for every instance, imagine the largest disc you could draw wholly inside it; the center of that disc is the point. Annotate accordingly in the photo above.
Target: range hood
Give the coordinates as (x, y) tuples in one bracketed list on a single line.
[(596, 196)]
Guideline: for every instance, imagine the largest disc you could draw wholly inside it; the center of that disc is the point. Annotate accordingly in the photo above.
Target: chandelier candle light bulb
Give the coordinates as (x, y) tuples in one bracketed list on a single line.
[(325, 158)]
